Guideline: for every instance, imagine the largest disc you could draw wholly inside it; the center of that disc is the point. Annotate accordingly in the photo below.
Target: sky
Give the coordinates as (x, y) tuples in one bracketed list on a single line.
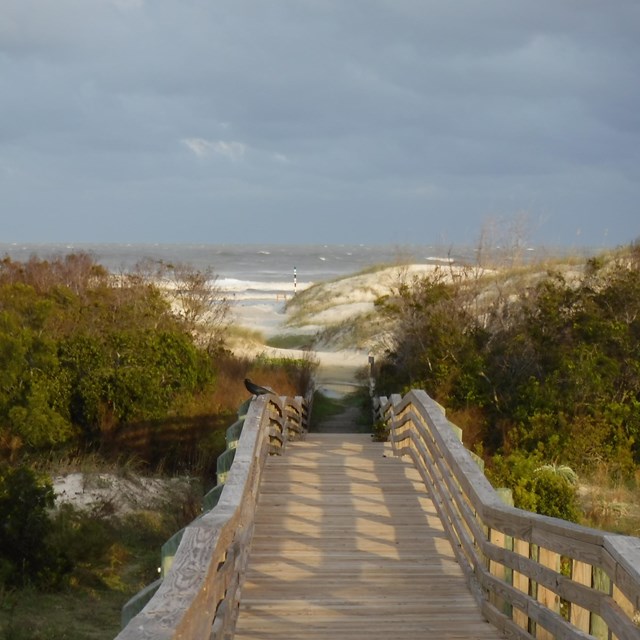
[(338, 121)]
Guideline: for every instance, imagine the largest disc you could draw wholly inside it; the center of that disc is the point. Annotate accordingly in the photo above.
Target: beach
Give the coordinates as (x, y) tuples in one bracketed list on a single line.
[(324, 312), (337, 368)]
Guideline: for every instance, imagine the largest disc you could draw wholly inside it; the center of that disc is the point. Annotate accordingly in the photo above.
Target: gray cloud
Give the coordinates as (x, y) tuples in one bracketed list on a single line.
[(166, 120)]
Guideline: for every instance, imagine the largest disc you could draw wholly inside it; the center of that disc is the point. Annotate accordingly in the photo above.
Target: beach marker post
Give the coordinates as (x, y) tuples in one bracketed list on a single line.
[(372, 380), (295, 280)]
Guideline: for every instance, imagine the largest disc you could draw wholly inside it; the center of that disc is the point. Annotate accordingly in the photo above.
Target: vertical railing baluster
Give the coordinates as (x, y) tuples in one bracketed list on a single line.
[(601, 582), (579, 616), (522, 583), (546, 597)]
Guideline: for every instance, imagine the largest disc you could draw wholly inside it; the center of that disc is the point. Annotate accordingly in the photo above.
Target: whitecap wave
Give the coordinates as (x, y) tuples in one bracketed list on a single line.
[(443, 260)]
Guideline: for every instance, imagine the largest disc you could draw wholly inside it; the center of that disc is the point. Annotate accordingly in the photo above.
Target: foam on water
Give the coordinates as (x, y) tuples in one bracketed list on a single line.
[(234, 287), (263, 263)]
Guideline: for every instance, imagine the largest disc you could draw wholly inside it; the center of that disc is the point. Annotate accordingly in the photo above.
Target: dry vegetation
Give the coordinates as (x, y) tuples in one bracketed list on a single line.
[(342, 313)]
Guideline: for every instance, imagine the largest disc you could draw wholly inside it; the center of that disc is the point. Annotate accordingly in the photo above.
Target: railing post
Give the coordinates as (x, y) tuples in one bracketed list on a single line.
[(579, 616), (497, 569), (624, 603), (547, 598), (602, 583), (503, 541), (522, 583)]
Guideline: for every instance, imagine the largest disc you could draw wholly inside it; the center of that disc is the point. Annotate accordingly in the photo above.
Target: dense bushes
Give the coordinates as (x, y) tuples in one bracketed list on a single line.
[(128, 375), (544, 488), (82, 352), (550, 369)]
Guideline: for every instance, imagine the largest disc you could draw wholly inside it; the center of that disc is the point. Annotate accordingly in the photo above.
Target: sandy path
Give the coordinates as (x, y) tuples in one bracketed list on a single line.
[(338, 371)]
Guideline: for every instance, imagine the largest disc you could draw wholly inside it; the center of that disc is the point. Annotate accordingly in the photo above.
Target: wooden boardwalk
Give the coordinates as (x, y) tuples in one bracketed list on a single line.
[(348, 545)]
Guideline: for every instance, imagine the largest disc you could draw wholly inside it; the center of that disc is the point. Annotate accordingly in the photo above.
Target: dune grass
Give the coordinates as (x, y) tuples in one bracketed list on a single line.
[(291, 341), (240, 335)]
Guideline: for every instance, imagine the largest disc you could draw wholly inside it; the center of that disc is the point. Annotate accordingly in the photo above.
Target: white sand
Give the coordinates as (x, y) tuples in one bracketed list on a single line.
[(333, 302), (113, 493)]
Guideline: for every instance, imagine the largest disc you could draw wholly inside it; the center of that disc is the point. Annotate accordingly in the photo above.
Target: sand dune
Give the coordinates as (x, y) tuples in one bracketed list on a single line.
[(329, 304)]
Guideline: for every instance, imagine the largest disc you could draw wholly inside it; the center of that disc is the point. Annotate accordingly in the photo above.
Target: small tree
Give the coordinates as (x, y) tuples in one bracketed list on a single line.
[(25, 554), (196, 297), (201, 302)]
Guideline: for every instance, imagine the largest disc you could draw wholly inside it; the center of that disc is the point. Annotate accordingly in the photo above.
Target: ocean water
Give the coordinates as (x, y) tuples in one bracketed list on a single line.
[(248, 262), (257, 279)]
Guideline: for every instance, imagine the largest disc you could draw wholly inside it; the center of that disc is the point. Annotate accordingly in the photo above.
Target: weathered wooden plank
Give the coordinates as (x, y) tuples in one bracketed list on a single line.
[(353, 548), (548, 598), (580, 616), (497, 569), (521, 582), (625, 552)]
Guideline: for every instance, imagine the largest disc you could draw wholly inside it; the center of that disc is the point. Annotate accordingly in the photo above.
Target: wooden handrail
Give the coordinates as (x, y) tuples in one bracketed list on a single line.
[(533, 576), (197, 599)]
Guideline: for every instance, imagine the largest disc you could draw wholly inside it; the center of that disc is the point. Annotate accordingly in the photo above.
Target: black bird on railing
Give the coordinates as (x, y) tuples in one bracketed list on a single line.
[(256, 389)]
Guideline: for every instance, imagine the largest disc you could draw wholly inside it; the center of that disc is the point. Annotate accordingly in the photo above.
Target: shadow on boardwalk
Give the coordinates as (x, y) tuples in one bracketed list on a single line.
[(347, 544)]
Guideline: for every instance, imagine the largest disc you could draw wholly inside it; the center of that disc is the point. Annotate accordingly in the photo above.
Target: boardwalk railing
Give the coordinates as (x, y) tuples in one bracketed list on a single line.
[(198, 596), (532, 576)]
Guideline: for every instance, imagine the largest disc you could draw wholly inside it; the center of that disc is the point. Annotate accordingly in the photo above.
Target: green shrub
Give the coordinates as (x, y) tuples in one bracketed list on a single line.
[(555, 495), (552, 367), (545, 489), (26, 556)]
